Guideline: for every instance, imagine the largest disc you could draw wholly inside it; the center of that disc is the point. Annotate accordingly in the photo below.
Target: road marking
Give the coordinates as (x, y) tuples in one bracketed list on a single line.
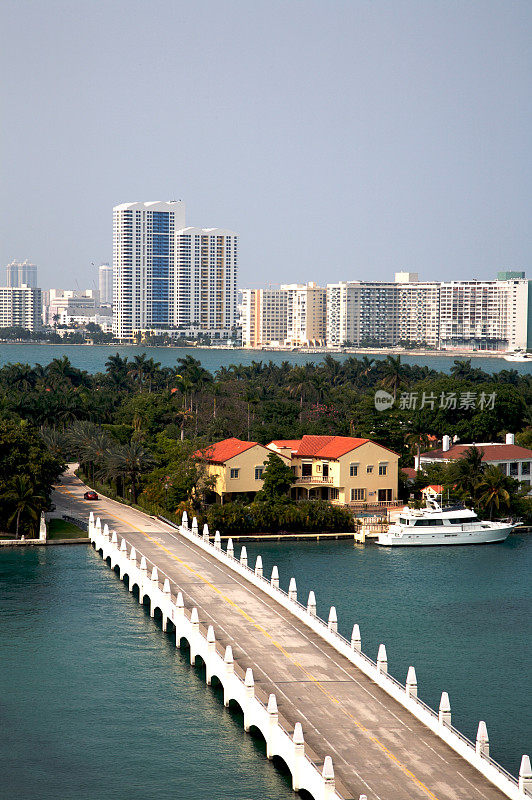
[(287, 655)]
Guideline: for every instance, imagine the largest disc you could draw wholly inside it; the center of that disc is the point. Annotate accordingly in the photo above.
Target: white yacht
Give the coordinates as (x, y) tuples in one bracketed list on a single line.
[(518, 356), (448, 525)]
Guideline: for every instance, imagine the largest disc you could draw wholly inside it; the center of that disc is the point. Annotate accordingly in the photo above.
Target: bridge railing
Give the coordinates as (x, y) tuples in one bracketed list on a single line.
[(428, 716)]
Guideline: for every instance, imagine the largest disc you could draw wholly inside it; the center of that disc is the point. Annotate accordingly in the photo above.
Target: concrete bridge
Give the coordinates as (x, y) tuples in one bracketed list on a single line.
[(344, 727)]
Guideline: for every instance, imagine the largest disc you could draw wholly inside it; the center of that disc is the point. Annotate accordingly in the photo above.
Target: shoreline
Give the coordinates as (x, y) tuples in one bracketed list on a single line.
[(385, 351)]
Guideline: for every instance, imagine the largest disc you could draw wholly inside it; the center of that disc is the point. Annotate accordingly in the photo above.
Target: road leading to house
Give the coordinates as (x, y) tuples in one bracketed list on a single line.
[(378, 748)]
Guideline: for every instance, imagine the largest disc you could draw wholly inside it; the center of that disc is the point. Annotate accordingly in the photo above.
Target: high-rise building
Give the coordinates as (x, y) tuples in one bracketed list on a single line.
[(105, 284), (167, 275), (264, 317), (143, 264), (203, 289), (21, 273), (306, 314), (20, 306)]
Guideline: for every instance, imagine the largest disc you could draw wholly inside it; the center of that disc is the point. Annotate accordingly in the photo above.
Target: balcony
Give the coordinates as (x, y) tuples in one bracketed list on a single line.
[(317, 480)]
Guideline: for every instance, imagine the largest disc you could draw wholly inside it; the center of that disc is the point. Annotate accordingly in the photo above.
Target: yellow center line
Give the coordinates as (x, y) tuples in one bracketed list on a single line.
[(279, 647)]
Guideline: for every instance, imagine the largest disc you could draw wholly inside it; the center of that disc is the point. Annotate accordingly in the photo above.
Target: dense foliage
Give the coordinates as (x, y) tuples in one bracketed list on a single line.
[(135, 427)]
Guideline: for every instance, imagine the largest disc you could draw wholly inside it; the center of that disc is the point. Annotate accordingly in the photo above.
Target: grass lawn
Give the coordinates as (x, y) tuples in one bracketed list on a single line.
[(61, 529)]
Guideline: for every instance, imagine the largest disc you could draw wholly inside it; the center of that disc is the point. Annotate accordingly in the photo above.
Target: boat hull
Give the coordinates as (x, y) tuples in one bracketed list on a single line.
[(426, 538)]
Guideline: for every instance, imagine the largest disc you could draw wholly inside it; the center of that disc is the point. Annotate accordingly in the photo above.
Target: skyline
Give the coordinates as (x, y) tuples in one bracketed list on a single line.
[(354, 140)]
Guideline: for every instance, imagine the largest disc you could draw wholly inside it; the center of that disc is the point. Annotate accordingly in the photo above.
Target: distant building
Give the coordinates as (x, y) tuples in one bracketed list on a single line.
[(294, 315), (511, 459), (167, 275), (21, 273), (20, 306), (305, 314), (105, 284), (66, 303)]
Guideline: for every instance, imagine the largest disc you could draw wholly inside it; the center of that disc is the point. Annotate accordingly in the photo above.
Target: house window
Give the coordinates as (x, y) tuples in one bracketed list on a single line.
[(514, 468), (325, 470), (384, 495), (334, 494), (503, 468), (383, 469), (235, 472), (525, 467), (258, 473), (369, 469), (353, 470), (318, 467), (358, 494), (306, 470)]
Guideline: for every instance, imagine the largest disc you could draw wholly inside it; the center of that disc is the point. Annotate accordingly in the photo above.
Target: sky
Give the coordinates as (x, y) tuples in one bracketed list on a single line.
[(340, 140)]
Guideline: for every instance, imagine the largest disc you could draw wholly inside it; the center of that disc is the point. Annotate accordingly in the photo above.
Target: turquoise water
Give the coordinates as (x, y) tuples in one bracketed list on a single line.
[(100, 703), (93, 357), (460, 615)]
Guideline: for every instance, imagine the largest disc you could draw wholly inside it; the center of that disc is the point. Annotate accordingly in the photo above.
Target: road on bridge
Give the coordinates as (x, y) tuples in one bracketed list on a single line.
[(378, 748)]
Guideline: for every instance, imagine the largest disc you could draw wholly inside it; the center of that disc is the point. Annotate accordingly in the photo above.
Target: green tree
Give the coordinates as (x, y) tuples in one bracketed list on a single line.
[(493, 491), (24, 503), (277, 479)]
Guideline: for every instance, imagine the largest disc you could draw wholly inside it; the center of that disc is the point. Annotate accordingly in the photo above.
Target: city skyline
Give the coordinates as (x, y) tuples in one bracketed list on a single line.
[(370, 139)]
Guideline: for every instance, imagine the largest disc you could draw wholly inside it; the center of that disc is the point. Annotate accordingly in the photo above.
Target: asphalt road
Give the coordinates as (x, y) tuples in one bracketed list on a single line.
[(378, 748)]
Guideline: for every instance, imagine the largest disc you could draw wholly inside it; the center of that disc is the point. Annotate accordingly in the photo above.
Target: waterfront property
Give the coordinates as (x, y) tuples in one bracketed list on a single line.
[(512, 459), (342, 469)]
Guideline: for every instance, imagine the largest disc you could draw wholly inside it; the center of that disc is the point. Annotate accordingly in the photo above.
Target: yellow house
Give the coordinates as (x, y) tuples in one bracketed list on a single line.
[(342, 469), (236, 466)]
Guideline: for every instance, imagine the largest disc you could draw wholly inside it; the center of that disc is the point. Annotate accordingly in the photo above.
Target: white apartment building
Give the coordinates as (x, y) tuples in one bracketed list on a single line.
[(305, 314), (21, 273), (203, 285), (485, 315), (20, 306), (105, 284), (167, 275), (475, 315)]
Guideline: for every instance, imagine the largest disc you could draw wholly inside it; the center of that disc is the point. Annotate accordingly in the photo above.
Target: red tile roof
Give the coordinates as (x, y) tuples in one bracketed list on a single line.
[(322, 446), (220, 452), (410, 473), (492, 452)]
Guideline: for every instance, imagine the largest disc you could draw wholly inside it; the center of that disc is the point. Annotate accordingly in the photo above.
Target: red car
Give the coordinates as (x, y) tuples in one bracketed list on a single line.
[(90, 496)]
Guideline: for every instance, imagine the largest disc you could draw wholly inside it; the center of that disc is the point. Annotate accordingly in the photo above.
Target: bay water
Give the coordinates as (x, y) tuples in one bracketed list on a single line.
[(97, 702)]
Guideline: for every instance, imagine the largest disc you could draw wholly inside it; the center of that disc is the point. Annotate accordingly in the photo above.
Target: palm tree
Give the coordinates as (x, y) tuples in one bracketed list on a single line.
[(130, 461), (493, 490), (393, 373), (137, 369), (416, 440), (467, 471), (23, 498), (117, 370)]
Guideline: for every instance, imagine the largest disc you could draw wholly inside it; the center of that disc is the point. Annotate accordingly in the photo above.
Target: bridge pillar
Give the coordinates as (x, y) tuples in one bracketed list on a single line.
[(311, 604), (249, 689), (105, 532), (91, 524), (411, 683), (114, 537), (243, 557), (382, 659), (333, 620), (168, 596), (525, 775), (98, 526), (184, 520), (194, 624), (299, 756), (444, 712), (205, 533), (273, 722), (123, 546), (258, 567), (292, 590), (329, 787), (229, 672), (356, 642), (211, 654), (133, 564), (274, 580), (230, 548), (179, 618), (482, 745), (217, 541), (194, 525)]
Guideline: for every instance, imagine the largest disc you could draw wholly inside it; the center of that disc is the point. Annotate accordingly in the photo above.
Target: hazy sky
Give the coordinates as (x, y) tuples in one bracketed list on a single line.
[(341, 140)]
